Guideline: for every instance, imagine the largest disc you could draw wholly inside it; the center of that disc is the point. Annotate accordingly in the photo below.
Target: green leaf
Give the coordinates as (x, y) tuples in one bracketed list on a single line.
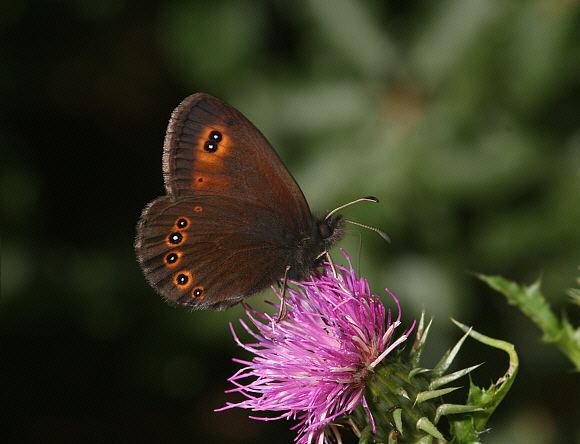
[(531, 301), (570, 342), (466, 428), (574, 294)]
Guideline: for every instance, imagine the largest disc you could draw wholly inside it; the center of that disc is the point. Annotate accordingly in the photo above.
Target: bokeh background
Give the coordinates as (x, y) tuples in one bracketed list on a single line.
[(462, 116)]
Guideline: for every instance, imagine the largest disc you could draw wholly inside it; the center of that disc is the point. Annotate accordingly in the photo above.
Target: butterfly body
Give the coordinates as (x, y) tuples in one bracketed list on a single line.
[(233, 219)]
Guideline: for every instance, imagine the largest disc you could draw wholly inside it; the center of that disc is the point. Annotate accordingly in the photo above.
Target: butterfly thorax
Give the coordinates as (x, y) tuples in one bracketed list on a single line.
[(310, 252)]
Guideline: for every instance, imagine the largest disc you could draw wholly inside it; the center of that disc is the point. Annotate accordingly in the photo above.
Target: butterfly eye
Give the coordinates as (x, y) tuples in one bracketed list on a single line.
[(324, 230), (216, 136), (182, 223), (175, 238), (210, 146)]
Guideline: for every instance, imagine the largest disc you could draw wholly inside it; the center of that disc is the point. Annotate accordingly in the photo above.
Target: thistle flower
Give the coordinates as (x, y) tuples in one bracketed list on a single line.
[(313, 366)]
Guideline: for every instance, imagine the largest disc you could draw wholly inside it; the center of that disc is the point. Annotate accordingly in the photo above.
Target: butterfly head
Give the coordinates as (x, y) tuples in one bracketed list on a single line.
[(331, 230)]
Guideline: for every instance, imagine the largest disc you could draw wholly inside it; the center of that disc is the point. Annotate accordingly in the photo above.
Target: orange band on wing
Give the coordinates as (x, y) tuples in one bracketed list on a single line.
[(210, 151)]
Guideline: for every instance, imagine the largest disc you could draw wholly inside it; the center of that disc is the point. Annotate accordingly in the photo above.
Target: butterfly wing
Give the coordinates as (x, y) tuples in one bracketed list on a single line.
[(211, 251), (233, 218), (212, 149)]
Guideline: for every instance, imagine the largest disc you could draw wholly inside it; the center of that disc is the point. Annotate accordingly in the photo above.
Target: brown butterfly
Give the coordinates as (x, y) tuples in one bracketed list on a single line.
[(233, 221)]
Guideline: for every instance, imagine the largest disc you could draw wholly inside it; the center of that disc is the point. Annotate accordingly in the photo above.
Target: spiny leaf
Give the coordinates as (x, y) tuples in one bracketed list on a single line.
[(531, 301), (574, 294), (466, 428), (570, 342)]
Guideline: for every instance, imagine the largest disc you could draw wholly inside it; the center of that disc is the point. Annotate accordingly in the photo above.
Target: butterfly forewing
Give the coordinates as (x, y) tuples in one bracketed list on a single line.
[(211, 148)]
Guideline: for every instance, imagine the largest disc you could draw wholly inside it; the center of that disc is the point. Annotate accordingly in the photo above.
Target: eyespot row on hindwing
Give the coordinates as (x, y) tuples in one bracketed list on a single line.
[(176, 238), (183, 278)]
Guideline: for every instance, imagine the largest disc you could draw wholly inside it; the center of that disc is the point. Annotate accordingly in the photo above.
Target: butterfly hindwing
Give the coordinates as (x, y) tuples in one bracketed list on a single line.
[(211, 251)]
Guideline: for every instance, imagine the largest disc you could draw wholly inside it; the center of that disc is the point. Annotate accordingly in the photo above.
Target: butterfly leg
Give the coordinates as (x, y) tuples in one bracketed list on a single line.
[(282, 312)]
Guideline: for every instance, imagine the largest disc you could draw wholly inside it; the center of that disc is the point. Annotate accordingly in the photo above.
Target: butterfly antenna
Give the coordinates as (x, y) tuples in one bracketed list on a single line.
[(362, 199), (380, 232)]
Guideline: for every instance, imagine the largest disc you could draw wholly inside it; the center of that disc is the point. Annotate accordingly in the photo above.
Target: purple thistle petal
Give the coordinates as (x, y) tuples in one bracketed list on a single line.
[(312, 366)]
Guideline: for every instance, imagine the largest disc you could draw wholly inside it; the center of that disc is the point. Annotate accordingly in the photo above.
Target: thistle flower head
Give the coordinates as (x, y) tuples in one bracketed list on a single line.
[(313, 365)]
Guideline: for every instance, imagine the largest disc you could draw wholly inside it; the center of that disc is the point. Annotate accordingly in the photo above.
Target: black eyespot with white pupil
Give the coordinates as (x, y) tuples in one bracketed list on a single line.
[(210, 146), (182, 279), (197, 292), (171, 258), (182, 223), (216, 136), (175, 238)]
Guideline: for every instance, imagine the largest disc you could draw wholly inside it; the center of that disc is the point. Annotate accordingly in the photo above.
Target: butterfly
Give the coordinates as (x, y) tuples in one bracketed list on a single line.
[(233, 220)]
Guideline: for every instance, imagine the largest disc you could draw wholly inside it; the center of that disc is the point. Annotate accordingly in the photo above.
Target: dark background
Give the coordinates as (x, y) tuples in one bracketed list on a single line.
[(461, 116)]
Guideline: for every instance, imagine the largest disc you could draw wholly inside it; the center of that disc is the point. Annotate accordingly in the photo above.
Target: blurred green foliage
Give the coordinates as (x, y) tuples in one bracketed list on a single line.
[(460, 115)]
